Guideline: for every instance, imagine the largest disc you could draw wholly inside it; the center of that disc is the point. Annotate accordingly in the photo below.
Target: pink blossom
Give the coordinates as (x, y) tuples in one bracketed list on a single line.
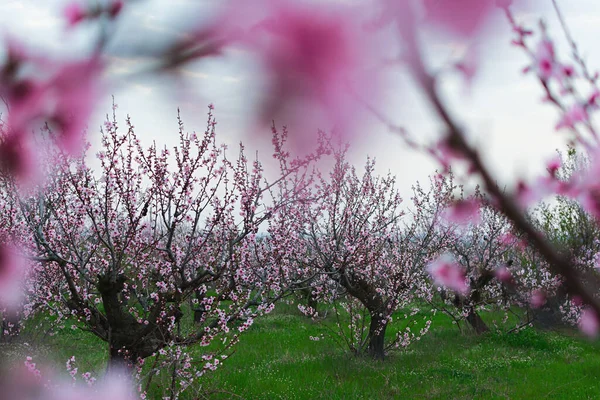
[(115, 8), (21, 384), (567, 71), (503, 274), (447, 272), (554, 165), (316, 63), (593, 98), (577, 301), (17, 157), (589, 323), (462, 17), (577, 113), (11, 272), (74, 13), (585, 186), (528, 194), (590, 201), (75, 89), (503, 3), (545, 59), (463, 211), (538, 299), (468, 66), (62, 94)]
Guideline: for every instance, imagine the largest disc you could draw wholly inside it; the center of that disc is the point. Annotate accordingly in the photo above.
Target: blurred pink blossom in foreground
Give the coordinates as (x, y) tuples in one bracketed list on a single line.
[(34, 382), (462, 17), (447, 272), (589, 323), (38, 91), (503, 274), (318, 64), (538, 299), (12, 269), (463, 212)]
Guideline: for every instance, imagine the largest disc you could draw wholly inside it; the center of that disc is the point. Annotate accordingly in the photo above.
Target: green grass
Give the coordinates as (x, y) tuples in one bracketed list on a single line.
[(276, 359)]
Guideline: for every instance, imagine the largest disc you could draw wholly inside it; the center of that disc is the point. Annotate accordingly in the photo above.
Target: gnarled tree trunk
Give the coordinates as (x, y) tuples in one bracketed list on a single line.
[(377, 329), (129, 339), (475, 321)]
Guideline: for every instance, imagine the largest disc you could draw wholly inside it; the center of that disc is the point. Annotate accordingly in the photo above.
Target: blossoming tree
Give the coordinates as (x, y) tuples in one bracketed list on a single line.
[(125, 250), (353, 245)]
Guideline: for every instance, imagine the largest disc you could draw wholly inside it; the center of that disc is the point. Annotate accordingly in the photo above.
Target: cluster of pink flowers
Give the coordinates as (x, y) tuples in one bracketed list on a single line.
[(447, 272)]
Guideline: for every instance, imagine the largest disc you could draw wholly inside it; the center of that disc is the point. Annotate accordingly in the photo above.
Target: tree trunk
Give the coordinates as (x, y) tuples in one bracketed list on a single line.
[(478, 325), (311, 302), (119, 361), (10, 326), (200, 309), (476, 322), (310, 299), (198, 314), (377, 337), (549, 315)]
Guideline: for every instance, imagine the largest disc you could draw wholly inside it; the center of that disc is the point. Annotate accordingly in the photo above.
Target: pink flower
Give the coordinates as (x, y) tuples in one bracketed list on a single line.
[(577, 113), (537, 190), (468, 66), (545, 59), (503, 3), (17, 157), (503, 274), (538, 299), (30, 383), (589, 323), (64, 96), (115, 8), (567, 72), (585, 186), (593, 98), (74, 89), (554, 165), (462, 17), (447, 272), (590, 201), (11, 271), (316, 63), (463, 211), (74, 13)]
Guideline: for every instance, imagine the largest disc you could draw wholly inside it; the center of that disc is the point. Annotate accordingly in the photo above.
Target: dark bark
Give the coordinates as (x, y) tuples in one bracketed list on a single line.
[(10, 326), (309, 298), (377, 329), (466, 304), (549, 316), (119, 361), (200, 309), (476, 322), (128, 339), (198, 314), (368, 296)]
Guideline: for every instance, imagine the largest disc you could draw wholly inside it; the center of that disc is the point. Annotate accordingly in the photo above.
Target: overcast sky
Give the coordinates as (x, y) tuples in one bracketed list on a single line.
[(503, 111)]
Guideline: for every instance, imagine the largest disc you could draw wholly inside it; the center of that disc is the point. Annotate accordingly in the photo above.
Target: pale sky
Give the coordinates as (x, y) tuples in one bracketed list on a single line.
[(503, 111)]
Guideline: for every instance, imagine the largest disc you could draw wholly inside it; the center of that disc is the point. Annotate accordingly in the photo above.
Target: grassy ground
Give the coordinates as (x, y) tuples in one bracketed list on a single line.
[(277, 360)]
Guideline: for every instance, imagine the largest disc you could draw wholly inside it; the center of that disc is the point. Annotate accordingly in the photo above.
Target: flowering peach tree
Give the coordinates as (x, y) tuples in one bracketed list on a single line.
[(124, 251), (148, 234)]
